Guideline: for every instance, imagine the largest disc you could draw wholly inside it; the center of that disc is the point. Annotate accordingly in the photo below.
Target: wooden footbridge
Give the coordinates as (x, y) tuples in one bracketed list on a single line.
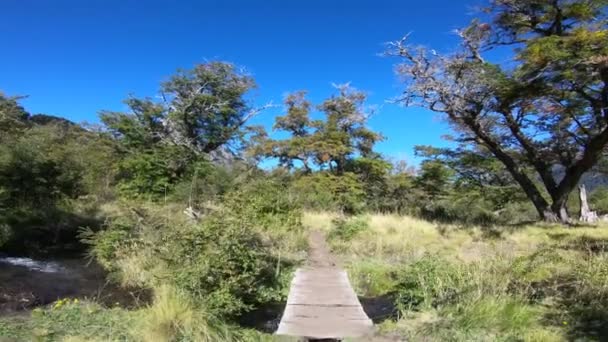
[(321, 302)]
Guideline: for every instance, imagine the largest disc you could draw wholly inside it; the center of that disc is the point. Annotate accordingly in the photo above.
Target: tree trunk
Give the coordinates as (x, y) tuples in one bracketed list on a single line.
[(586, 214)]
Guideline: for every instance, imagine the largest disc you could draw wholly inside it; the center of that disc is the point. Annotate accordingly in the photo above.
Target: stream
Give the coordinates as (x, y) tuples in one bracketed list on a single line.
[(26, 283)]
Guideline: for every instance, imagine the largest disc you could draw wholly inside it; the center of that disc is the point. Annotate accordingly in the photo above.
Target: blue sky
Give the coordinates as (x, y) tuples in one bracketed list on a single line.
[(74, 58)]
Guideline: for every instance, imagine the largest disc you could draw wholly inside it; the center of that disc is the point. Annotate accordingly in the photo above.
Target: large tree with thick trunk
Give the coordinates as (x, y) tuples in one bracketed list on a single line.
[(544, 110)]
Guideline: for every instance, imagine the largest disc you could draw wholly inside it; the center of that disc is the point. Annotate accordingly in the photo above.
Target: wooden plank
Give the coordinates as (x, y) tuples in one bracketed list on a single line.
[(315, 311), (328, 330), (322, 304)]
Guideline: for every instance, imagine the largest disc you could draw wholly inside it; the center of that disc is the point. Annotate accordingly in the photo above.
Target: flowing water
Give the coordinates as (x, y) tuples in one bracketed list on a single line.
[(26, 283)]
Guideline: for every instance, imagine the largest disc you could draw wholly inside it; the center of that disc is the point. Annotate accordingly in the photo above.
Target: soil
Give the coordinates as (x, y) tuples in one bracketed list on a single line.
[(319, 254)]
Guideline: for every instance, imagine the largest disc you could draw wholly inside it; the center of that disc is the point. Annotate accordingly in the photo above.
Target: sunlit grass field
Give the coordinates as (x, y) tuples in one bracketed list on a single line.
[(530, 282)]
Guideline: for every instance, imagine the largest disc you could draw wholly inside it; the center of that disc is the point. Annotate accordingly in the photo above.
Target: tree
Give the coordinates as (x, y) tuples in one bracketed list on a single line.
[(548, 111), (331, 143), (202, 112), (300, 146), (339, 147), (13, 118), (434, 179), (344, 131), (476, 170)]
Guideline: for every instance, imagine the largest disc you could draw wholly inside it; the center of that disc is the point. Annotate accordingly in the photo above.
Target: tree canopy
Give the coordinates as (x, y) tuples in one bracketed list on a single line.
[(548, 111)]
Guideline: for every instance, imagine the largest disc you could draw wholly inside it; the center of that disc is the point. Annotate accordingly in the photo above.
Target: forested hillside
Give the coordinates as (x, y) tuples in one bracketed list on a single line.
[(194, 218)]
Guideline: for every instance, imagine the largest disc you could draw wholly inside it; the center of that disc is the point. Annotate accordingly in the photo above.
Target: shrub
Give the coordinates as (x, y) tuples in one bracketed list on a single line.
[(428, 282), (326, 191), (598, 200), (347, 228), (221, 263), (268, 204), (229, 262)]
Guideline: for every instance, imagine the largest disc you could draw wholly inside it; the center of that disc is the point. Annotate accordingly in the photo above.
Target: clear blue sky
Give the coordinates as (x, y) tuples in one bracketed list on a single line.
[(76, 57)]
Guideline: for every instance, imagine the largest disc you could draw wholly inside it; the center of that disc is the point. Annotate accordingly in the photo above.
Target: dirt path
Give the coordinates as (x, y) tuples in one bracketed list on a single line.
[(321, 302), (319, 254)]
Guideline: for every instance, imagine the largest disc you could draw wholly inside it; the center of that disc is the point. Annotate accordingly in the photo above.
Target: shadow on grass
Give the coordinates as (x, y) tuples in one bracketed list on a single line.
[(584, 314), (587, 244)]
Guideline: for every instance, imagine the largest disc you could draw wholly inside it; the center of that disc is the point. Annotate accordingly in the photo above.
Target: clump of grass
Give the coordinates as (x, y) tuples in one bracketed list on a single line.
[(371, 278), (173, 317), (346, 228)]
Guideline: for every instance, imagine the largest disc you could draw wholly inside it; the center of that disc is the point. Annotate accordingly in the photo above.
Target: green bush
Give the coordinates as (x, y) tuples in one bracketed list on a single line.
[(229, 262), (326, 191), (221, 263), (106, 243), (266, 203), (427, 283), (347, 228), (598, 200)]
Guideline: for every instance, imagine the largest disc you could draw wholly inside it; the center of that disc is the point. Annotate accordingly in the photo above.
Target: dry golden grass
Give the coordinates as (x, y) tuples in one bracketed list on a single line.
[(318, 220), (400, 238), (486, 266)]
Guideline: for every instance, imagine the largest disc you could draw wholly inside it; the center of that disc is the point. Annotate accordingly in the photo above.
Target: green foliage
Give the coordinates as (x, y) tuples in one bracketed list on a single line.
[(268, 203), (31, 178), (152, 174), (228, 262), (40, 178), (598, 200), (430, 282), (13, 118), (325, 191), (222, 264), (84, 321), (434, 179), (204, 112), (346, 228)]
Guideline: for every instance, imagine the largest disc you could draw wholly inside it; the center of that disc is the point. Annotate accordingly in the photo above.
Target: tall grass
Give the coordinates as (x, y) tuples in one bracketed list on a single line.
[(529, 283), (173, 317)]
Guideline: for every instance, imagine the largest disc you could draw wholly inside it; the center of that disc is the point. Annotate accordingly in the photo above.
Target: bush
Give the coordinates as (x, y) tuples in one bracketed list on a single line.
[(326, 191), (427, 283), (266, 203), (222, 263), (229, 262), (347, 228), (598, 200)]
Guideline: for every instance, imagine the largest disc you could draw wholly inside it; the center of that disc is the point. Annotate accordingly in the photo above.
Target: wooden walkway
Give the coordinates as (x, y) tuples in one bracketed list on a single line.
[(321, 302)]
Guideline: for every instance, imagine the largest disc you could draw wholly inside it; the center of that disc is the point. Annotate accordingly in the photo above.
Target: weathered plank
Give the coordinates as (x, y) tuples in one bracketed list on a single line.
[(322, 304)]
